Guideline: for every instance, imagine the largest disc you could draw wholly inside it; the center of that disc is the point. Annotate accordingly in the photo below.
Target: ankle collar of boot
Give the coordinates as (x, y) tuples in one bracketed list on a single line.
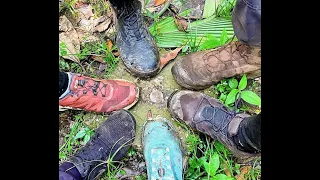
[(234, 124)]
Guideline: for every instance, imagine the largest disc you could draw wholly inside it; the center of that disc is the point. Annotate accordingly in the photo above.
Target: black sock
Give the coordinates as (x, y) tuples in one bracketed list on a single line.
[(248, 137), (63, 82)]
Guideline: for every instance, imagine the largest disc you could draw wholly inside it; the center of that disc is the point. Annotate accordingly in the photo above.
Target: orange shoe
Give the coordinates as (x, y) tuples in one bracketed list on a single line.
[(98, 95)]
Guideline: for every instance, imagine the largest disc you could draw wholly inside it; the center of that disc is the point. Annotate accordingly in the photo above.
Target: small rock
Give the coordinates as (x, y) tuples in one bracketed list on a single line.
[(156, 96)]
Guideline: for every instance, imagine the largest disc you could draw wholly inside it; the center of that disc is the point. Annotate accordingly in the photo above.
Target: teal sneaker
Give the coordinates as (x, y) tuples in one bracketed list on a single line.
[(162, 150)]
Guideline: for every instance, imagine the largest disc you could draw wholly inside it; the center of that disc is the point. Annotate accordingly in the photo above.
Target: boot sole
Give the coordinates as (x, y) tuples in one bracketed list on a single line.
[(169, 105), (64, 108), (142, 74), (180, 81)]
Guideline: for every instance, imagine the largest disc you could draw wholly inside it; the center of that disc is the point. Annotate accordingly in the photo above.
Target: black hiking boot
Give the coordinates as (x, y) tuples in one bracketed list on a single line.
[(136, 46), (117, 132)]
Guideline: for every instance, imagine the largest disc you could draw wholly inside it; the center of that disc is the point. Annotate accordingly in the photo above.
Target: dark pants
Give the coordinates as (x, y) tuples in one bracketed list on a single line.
[(246, 21), (67, 171), (63, 82), (249, 133)]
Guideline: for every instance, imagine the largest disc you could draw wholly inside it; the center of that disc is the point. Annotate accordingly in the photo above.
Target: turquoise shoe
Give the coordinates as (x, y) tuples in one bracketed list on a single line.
[(162, 151)]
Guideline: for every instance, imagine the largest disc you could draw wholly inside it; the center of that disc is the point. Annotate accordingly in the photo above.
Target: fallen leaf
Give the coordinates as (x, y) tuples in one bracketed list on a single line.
[(84, 36), (97, 58), (79, 5), (87, 24), (85, 12), (182, 24), (109, 44), (116, 53), (243, 170), (168, 57), (226, 170), (64, 24), (70, 38), (103, 26), (158, 2), (210, 8), (92, 25)]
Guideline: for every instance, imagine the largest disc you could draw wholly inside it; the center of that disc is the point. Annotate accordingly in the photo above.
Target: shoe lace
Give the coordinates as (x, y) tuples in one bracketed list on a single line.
[(95, 88), (229, 114)]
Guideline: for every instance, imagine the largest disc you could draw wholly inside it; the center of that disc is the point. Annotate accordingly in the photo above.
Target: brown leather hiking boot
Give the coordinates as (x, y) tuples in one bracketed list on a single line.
[(207, 115), (202, 69)]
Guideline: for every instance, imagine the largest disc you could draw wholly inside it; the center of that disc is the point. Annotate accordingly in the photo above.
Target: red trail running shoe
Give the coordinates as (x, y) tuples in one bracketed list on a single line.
[(99, 95)]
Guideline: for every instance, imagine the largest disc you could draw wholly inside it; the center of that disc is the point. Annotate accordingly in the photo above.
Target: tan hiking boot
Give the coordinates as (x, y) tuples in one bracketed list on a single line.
[(202, 69)]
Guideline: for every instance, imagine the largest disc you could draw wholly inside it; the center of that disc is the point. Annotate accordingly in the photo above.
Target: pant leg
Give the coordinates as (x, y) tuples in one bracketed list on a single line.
[(249, 133), (67, 171), (246, 21), (63, 82)]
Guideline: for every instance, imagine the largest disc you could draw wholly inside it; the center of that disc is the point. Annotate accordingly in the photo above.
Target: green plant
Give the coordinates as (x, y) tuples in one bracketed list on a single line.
[(204, 160), (68, 5), (85, 133), (114, 167), (99, 7), (255, 172), (98, 49), (140, 177), (78, 133), (167, 35), (230, 90), (212, 42), (131, 152), (225, 7)]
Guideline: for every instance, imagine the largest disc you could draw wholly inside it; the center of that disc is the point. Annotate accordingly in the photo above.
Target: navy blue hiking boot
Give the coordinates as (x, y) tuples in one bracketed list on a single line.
[(136, 46)]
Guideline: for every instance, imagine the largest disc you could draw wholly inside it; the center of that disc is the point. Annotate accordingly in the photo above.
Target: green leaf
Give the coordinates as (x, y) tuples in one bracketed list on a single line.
[(251, 97), (221, 177), (104, 46), (80, 134), (243, 83), (222, 97), (62, 155), (86, 138), (233, 83), (231, 98), (224, 37), (213, 165), (210, 7), (220, 88), (185, 48), (63, 45), (63, 52), (237, 166), (210, 43), (148, 13), (123, 172)]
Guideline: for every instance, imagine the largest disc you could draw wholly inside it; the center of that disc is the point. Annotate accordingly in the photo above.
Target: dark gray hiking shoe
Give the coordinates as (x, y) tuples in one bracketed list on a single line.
[(136, 46), (117, 132), (209, 116)]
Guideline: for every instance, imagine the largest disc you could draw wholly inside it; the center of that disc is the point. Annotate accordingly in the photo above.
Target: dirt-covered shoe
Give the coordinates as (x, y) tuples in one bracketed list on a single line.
[(136, 46), (207, 115), (202, 69), (111, 140), (98, 95), (162, 150)]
